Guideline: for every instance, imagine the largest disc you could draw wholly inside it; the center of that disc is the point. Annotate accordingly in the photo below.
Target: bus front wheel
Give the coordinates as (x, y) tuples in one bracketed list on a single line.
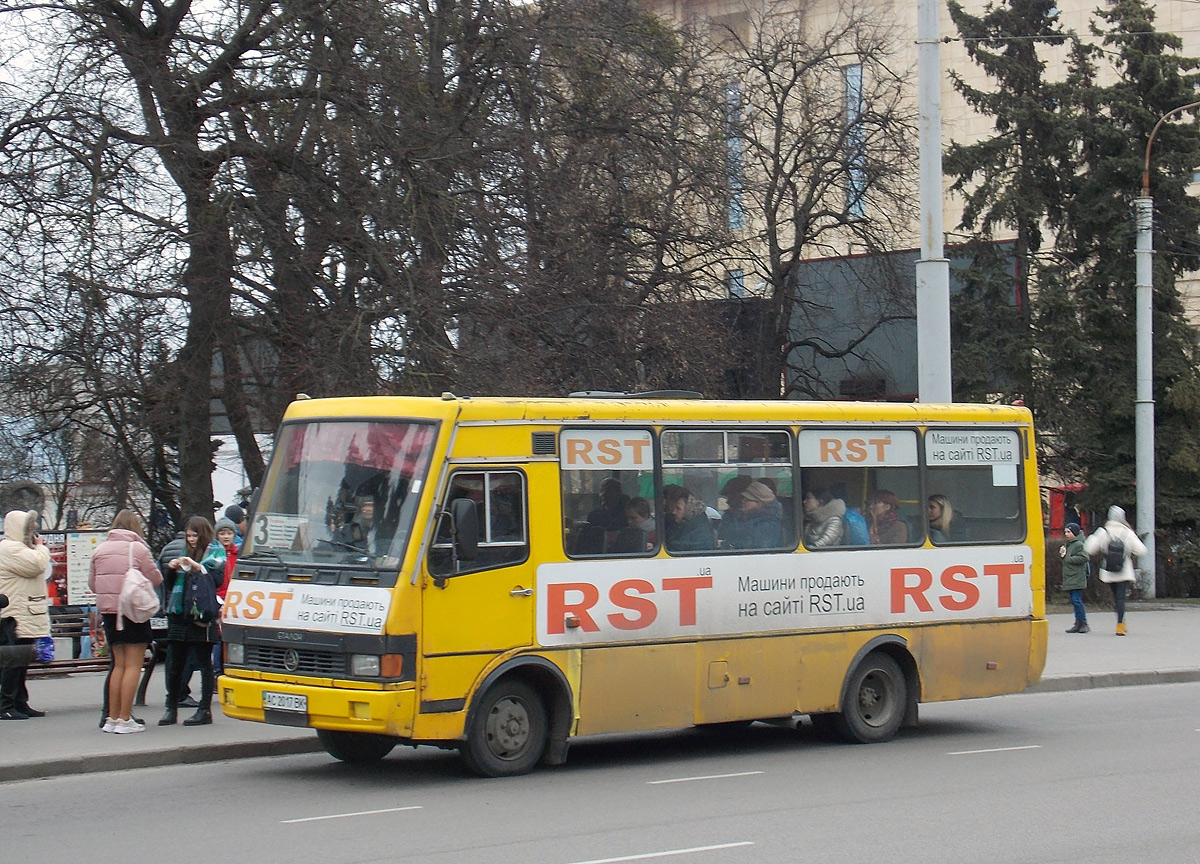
[(355, 747), (876, 697), (507, 731)]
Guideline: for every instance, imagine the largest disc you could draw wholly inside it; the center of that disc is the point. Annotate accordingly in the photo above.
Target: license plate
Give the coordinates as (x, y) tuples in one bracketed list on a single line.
[(158, 623), (285, 702)]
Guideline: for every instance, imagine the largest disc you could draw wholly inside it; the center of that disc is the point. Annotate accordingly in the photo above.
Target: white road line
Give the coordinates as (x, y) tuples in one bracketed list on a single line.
[(646, 855), (345, 815), (994, 750), (705, 777)]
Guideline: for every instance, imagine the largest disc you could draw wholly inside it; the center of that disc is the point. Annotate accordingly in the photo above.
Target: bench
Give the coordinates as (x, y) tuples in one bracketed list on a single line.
[(72, 622)]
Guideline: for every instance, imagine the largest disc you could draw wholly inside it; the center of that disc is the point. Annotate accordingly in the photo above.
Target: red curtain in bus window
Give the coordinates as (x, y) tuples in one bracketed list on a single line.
[(373, 445)]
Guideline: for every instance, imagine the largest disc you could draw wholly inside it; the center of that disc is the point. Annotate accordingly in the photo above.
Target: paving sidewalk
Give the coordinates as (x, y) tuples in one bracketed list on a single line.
[(1163, 646)]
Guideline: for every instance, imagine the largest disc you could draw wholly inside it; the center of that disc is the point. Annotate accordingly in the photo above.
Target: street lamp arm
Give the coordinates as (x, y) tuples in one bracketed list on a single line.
[(1150, 143)]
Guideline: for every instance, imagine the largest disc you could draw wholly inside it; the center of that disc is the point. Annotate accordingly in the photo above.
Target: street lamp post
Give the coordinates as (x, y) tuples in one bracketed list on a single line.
[(1144, 410)]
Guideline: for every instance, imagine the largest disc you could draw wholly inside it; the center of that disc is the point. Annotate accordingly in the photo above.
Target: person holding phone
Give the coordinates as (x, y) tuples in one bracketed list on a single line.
[(187, 639), (24, 560)]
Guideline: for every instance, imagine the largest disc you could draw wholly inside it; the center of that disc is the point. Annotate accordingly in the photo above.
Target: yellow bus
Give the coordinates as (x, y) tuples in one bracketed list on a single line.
[(502, 575)]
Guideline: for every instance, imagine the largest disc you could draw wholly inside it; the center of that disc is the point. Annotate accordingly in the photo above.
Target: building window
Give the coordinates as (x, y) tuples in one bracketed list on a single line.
[(733, 156), (856, 161), (737, 283)]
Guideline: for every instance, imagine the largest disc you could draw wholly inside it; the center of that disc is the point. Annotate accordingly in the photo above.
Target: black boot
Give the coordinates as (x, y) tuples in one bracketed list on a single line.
[(202, 717), (170, 717)]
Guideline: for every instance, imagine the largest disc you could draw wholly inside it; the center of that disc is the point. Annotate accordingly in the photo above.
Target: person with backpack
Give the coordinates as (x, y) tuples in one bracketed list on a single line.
[(1075, 574), (191, 583), (1116, 544), (113, 561)]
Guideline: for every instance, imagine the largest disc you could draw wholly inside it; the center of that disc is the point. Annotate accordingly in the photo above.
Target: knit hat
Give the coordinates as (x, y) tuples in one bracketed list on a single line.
[(1074, 528), (234, 514), (758, 492), (224, 523)]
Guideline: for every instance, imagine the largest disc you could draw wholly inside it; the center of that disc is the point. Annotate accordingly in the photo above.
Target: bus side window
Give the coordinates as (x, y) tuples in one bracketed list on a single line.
[(500, 502), (973, 486)]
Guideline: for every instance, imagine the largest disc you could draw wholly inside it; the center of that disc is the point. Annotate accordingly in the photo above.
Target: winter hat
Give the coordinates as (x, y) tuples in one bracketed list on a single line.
[(1116, 514), (1074, 528), (234, 514), (758, 492), (224, 523)]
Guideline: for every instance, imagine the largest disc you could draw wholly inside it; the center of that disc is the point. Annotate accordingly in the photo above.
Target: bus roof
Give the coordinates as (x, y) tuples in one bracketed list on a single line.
[(566, 410)]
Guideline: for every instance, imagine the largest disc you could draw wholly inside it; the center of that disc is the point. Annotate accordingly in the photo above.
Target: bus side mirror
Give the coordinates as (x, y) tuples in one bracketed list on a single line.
[(465, 525)]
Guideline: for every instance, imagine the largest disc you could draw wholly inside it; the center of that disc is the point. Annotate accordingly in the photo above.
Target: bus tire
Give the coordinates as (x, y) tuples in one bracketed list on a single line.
[(357, 748), (876, 698), (507, 731)]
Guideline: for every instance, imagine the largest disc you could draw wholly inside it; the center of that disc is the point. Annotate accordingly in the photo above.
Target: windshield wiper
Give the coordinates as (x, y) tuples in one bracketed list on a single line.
[(263, 552), (361, 551)]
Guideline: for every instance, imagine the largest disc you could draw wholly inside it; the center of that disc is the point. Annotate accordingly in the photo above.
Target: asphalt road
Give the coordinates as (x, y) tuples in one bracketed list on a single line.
[(1084, 776)]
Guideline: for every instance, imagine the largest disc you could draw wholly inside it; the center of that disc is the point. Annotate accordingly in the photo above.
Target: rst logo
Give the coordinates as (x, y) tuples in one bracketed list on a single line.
[(957, 588), (637, 604)]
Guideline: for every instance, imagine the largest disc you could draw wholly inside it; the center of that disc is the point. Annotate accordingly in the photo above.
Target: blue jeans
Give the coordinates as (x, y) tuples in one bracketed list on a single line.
[(1077, 602)]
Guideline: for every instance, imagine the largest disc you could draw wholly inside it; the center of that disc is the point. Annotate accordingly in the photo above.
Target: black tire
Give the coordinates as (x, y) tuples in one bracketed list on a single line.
[(506, 735), (357, 748), (876, 698)]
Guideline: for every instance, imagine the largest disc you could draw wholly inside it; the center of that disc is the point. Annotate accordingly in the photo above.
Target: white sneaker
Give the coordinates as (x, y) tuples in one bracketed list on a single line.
[(125, 727), (110, 724)]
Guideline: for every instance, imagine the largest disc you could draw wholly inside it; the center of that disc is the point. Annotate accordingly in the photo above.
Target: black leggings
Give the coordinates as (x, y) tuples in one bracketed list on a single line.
[(198, 656), (1118, 589)]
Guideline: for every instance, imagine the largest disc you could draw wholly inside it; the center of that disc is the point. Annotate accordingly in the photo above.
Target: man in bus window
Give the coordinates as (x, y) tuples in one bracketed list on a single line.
[(685, 521), (610, 515), (760, 519), (360, 531)]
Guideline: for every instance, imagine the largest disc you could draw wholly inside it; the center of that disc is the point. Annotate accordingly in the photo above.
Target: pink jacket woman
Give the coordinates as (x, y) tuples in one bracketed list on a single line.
[(111, 560)]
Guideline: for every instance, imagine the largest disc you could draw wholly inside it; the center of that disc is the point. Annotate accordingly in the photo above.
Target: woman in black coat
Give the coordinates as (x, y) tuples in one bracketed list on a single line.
[(186, 637)]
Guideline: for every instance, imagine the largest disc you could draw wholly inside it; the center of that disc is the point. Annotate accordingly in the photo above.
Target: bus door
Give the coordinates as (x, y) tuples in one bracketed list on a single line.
[(478, 605)]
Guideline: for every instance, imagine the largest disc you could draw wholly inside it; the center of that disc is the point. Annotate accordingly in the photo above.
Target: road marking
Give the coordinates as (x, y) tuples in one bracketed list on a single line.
[(995, 750), (704, 777), (645, 855), (345, 815)]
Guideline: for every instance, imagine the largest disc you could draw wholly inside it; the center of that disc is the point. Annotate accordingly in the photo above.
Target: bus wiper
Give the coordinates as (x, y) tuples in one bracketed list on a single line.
[(361, 551), (264, 552)]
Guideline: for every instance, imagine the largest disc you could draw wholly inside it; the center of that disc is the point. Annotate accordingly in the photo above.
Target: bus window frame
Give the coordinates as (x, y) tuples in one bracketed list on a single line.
[(442, 506), (1023, 456)]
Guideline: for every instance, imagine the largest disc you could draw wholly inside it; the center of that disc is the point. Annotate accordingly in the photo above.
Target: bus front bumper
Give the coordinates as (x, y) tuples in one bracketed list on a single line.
[(381, 712)]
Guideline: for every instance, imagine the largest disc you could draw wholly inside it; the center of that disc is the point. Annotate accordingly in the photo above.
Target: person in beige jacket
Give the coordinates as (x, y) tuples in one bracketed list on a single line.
[(24, 562)]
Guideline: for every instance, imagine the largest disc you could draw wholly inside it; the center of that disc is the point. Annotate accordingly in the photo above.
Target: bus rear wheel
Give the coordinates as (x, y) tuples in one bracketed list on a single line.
[(357, 748), (876, 697), (507, 731)]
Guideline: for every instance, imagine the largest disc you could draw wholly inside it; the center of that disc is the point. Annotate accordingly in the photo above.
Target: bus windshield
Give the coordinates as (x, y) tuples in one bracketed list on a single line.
[(342, 493)]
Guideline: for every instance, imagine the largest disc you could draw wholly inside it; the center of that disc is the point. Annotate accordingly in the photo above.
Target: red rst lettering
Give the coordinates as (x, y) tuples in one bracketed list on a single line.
[(687, 587), (880, 445), (557, 607), (638, 446), (278, 597), (619, 595), (232, 599), (901, 588), (955, 580), (857, 450), (254, 602), (1003, 574)]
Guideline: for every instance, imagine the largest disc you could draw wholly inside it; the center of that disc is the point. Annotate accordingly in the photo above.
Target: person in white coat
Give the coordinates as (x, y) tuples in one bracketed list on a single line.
[(24, 561), (1117, 576)]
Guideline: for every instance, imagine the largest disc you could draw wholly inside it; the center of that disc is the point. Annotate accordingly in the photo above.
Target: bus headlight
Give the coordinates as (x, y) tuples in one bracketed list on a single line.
[(364, 665), (235, 653)]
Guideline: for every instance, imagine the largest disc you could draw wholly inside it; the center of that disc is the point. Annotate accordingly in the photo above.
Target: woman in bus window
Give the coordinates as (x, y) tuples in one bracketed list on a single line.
[(887, 528), (824, 518), (941, 514)]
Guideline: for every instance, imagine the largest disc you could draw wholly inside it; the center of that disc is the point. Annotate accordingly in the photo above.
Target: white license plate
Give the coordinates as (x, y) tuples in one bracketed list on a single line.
[(285, 702), (158, 623)]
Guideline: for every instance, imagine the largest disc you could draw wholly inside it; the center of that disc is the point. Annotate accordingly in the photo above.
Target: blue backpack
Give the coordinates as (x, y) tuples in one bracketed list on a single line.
[(856, 533)]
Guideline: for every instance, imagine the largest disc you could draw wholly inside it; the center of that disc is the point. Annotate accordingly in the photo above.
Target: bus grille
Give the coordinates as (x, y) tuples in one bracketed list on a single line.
[(271, 659)]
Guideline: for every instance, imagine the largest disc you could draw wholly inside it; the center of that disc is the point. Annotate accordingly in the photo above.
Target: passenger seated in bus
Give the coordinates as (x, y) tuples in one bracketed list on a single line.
[(824, 518), (685, 522), (610, 515), (941, 514), (886, 526), (759, 525), (730, 505)]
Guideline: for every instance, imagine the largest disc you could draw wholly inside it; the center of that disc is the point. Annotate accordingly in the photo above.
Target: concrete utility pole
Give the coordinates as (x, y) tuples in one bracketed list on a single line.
[(1144, 411), (933, 270)]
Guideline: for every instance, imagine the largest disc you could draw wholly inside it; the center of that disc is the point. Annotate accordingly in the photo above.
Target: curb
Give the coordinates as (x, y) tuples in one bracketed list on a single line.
[(1114, 679), (157, 758)]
